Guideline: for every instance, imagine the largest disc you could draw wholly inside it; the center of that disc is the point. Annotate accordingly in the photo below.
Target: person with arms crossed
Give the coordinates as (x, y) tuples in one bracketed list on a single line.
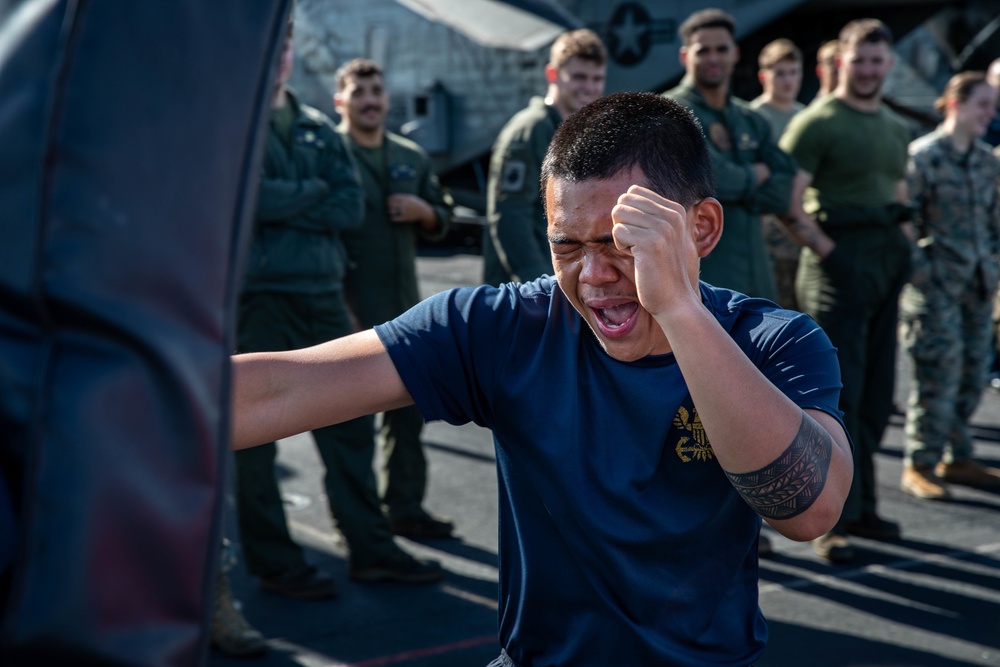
[(946, 308), (633, 474), (753, 175), (293, 296), (514, 243), (853, 149), (402, 200)]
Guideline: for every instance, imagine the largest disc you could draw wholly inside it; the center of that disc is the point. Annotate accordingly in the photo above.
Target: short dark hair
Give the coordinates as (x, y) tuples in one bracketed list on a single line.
[(583, 44), (864, 31), (615, 133), (706, 18), (360, 68)]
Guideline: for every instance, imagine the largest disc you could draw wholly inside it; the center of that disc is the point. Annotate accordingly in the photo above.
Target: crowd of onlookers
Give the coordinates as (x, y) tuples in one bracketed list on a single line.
[(831, 208)]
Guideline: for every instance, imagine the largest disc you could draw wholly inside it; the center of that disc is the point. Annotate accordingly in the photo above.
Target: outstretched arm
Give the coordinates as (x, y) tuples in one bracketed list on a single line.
[(278, 394), (793, 466)]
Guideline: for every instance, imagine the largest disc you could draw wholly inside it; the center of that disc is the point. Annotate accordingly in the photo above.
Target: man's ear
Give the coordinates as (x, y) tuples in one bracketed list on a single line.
[(551, 73), (707, 224), (338, 103), (682, 55)]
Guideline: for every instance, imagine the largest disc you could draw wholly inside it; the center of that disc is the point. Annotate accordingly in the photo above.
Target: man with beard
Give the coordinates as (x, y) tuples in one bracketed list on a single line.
[(753, 175), (402, 200), (515, 247), (853, 148)]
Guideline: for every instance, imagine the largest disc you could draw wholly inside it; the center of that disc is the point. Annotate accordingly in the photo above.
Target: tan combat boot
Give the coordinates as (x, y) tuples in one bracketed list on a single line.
[(969, 473), (230, 631), (922, 482)]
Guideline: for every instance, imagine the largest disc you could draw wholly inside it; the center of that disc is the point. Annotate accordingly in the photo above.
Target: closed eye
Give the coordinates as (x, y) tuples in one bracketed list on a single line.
[(560, 247)]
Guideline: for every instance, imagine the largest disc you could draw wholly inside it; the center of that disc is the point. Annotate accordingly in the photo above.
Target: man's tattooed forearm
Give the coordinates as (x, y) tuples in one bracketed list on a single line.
[(789, 486)]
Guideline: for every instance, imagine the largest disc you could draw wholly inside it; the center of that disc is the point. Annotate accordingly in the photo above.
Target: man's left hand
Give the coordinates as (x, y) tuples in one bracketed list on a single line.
[(408, 209)]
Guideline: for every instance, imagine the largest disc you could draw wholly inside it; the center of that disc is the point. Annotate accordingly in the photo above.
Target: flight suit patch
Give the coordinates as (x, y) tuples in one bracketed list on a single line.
[(513, 176), (402, 171), (719, 136)]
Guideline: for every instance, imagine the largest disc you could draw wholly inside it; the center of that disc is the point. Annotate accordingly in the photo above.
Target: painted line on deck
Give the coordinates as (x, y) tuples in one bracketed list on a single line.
[(415, 654)]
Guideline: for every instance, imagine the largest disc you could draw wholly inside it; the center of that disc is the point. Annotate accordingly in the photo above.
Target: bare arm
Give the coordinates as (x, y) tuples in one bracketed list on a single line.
[(800, 224), (278, 394), (755, 430)]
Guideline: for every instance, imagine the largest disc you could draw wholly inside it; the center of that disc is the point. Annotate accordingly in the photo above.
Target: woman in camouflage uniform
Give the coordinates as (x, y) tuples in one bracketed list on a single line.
[(945, 310)]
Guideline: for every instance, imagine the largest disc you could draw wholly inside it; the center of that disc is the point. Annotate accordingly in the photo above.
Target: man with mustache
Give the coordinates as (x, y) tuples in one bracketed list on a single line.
[(514, 243), (644, 421), (403, 200), (853, 149), (294, 296)]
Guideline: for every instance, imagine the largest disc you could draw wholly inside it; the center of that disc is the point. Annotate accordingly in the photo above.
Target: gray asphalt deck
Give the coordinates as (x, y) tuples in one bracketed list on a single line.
[(931, 599)]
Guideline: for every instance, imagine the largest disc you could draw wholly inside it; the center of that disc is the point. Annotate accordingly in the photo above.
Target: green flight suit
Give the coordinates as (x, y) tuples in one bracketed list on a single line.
[(293, 297), (515, 242), (381, 283), (737, 138), (856, 159)]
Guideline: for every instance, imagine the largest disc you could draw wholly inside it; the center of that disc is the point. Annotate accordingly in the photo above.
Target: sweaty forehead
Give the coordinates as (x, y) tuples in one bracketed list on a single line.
[(576, 205)]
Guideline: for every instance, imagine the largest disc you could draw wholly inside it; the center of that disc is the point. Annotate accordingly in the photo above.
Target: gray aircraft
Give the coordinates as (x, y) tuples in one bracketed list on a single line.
[(457, 70)]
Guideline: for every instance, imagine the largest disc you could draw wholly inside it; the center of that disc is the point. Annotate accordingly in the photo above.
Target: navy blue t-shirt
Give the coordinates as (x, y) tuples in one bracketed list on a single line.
[(621, 539)]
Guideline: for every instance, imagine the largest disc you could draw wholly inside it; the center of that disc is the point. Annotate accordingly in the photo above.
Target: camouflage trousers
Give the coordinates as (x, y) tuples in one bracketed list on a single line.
[(948, 339), (784, 254)]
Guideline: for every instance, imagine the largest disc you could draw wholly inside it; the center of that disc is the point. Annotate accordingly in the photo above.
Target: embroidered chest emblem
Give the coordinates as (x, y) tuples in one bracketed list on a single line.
[(402, 171), (692, 443), (719, 135)]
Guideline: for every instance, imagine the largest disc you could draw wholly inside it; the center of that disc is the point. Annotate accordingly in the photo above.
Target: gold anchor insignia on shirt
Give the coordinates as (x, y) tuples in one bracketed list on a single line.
[(696, 444)]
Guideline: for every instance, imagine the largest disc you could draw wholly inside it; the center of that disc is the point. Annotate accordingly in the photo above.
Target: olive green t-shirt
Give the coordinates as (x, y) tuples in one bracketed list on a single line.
[(856, 158)]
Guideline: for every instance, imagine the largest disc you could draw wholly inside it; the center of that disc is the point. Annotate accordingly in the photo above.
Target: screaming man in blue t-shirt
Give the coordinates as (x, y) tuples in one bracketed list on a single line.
[(644, 422)]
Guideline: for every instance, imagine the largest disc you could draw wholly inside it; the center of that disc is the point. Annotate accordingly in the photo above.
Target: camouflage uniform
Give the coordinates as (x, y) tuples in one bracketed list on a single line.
[(784, 250), (945, 310)]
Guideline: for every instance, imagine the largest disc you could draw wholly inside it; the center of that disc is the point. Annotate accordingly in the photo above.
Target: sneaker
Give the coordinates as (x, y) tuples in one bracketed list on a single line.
[(923, 483), (969, 473), (423, 526), (873, 527), (230, 633), (303, 583), (834, 546), (764, 546), (400, 567)]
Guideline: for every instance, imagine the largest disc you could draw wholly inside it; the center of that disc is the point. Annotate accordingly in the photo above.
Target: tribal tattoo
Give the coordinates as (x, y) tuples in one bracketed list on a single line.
[(789, 486)]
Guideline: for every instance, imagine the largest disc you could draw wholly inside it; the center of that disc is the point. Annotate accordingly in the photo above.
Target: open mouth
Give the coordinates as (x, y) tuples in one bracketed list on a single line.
[(618, 316), (616, 320)]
